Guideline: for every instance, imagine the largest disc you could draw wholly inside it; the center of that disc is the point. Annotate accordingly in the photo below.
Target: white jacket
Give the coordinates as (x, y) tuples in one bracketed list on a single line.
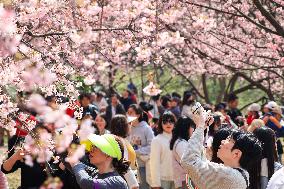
[(161, 159)]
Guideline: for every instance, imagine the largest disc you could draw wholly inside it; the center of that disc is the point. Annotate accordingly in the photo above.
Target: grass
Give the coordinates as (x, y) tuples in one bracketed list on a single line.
[(14, 179)]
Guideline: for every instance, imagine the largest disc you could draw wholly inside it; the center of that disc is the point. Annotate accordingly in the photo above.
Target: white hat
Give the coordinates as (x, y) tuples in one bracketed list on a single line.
[(271, 105), (254, 107), (277, 110)]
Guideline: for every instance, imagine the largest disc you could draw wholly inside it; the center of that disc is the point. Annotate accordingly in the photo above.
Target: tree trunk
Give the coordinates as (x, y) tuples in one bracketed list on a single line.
[(142, 81), (205, 89), (222, 84)]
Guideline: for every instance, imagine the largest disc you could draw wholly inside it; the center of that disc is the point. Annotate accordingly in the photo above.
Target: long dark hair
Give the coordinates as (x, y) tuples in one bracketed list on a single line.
[(220, 135), (167, 115), (122, 165), (267, 137), (217, 122), (250, 159), (186, 96), (138, 110), (165, 100), (181, 130)]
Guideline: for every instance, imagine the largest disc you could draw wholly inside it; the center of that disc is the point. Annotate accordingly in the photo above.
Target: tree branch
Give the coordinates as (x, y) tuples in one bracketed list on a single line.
[(255, 23), (269, 17), (211, 8), (186, 78), (205, 89), (94, 29), (260, 99)]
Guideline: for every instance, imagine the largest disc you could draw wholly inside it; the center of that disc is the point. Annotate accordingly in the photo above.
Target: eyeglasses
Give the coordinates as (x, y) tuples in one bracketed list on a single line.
[(168, 121)]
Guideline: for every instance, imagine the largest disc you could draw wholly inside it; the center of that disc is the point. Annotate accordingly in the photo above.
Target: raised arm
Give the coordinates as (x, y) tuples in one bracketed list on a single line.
[(12, 164), (82, 177), (203, 173)]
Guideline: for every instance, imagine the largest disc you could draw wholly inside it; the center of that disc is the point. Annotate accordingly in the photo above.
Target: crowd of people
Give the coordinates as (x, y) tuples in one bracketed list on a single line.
[(168, 142)]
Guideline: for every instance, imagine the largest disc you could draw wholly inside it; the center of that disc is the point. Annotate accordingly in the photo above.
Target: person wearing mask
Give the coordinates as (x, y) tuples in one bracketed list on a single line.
[(119, 127), (106, 152), (234, 113), (238, 154), (88, 108), (115, 107), (101, 125), (268, 164), (141, 136), (161, 158), (182, 131)]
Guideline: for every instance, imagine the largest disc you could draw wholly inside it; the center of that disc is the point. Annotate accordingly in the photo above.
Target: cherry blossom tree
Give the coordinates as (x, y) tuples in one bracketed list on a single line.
[(237, 39)]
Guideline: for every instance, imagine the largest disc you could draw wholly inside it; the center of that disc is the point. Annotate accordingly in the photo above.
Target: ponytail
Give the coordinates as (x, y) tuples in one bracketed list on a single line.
[(122, 165)]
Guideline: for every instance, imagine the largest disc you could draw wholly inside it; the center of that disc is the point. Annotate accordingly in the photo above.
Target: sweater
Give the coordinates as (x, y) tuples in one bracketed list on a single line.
[(145, 133), (206, 174), (31, 177), (101, 181), (161, 159), (180, 173), (277, 180), (264, 172)]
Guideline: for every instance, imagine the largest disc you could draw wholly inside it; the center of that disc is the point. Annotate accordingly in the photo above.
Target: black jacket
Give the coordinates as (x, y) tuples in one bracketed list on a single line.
[(118, 110)]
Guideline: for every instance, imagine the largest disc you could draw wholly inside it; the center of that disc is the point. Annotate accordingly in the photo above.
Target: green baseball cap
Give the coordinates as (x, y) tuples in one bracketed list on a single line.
[(106, 143)]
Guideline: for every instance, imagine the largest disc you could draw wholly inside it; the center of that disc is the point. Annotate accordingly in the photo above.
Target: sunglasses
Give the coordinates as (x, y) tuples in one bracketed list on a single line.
[(168, 121)]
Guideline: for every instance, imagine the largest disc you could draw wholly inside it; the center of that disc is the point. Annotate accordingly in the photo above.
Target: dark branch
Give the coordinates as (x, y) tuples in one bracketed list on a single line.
[(269, 17), (185, 77), (255, 23), (215, 9)]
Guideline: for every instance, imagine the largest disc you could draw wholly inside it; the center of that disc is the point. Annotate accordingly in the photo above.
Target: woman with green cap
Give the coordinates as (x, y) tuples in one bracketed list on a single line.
[(106, 153)]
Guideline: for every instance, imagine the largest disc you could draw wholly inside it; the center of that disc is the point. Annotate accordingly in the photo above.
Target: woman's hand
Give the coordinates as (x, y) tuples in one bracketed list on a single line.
[(201, 117), (19, 155)]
